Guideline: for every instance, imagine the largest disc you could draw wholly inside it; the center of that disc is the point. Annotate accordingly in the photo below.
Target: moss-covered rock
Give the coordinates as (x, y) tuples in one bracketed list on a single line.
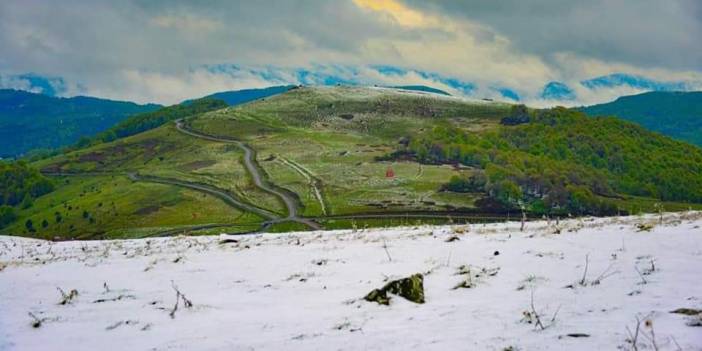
[(411, 288)]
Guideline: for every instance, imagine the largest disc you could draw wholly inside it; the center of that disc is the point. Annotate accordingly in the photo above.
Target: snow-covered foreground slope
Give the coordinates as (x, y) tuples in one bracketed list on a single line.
[(305, 290)]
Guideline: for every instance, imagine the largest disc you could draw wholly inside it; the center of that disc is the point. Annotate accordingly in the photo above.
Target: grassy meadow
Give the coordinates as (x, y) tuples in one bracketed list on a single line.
[(322, 144)]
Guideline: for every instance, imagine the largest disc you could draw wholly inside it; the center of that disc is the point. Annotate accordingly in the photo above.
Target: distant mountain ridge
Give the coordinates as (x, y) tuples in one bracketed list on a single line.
[(557, 91), (31, 121), (280, 78), (423, 88), (237, 97), (35, 83), (676, 114), (35, 121), (634, 81)]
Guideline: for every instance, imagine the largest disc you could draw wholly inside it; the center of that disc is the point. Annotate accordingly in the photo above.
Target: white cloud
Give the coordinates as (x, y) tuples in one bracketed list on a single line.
[(13, 82), (186, 23), (155, 50), (143, 87)]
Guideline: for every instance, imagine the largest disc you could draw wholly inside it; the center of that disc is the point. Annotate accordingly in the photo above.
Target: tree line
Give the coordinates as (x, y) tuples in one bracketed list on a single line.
[(561, 160), (136, 124), (19, 186), (150, 120)]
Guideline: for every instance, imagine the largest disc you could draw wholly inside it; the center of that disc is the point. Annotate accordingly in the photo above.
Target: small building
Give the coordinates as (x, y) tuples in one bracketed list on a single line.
[(390, 173)]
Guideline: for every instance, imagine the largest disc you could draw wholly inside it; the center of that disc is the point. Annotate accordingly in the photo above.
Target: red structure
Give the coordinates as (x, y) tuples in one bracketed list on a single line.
[(389, 173)]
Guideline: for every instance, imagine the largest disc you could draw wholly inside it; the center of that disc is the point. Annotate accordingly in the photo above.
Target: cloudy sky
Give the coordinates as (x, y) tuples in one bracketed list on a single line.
[(167, 51)]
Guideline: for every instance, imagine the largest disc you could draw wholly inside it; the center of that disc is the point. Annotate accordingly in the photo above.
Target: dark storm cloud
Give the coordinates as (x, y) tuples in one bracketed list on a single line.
[(651, 33)]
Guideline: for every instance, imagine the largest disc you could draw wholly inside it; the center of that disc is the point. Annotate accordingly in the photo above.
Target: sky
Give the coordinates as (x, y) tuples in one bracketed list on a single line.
[(541, 52)]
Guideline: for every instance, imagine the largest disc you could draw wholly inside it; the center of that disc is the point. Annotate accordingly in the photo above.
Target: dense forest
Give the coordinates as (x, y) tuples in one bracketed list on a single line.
[(676, 114), (34, 121), (19, 186), (561, 160)]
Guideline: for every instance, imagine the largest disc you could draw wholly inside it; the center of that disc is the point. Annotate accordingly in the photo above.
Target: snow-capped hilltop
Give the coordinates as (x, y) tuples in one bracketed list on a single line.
[(581, 284)]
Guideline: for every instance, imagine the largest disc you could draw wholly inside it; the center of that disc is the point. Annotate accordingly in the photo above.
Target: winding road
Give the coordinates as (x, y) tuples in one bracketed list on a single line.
[(223, 195), (314, 182), (256, 174), (254, 169)]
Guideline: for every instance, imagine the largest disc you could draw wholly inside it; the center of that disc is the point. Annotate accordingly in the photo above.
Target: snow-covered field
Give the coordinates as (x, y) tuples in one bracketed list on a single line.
[(305, 290)]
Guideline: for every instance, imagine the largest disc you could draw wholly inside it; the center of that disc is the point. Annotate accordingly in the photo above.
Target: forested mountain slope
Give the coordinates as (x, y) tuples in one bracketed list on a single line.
[(676, 114), (30, 121)]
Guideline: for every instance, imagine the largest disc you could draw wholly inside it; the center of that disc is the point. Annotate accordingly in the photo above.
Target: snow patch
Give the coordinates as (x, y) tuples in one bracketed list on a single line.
[(487, 287)]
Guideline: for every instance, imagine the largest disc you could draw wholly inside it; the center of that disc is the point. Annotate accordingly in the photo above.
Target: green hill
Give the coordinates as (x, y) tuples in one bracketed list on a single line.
[(343, 157), (564, 162), (676, 114), (30, 121)]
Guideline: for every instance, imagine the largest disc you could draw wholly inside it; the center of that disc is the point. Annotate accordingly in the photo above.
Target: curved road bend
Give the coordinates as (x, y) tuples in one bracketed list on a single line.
[(251, 167), (271, 218), (210, 190), (219, 193)]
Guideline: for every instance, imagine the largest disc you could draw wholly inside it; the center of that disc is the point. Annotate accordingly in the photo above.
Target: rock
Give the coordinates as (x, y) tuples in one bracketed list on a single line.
[(411, 288), (578, 335), (465, 284), (320, 262), (496, 253), (378, 296), (687, 311), (644, 227), (228, 241)]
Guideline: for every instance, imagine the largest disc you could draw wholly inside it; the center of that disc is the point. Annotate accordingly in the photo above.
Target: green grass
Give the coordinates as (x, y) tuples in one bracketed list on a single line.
[(324, 136), (165, 152), (380, 113), (313, 128), (352, 180), (636, 205), (116, 207)]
